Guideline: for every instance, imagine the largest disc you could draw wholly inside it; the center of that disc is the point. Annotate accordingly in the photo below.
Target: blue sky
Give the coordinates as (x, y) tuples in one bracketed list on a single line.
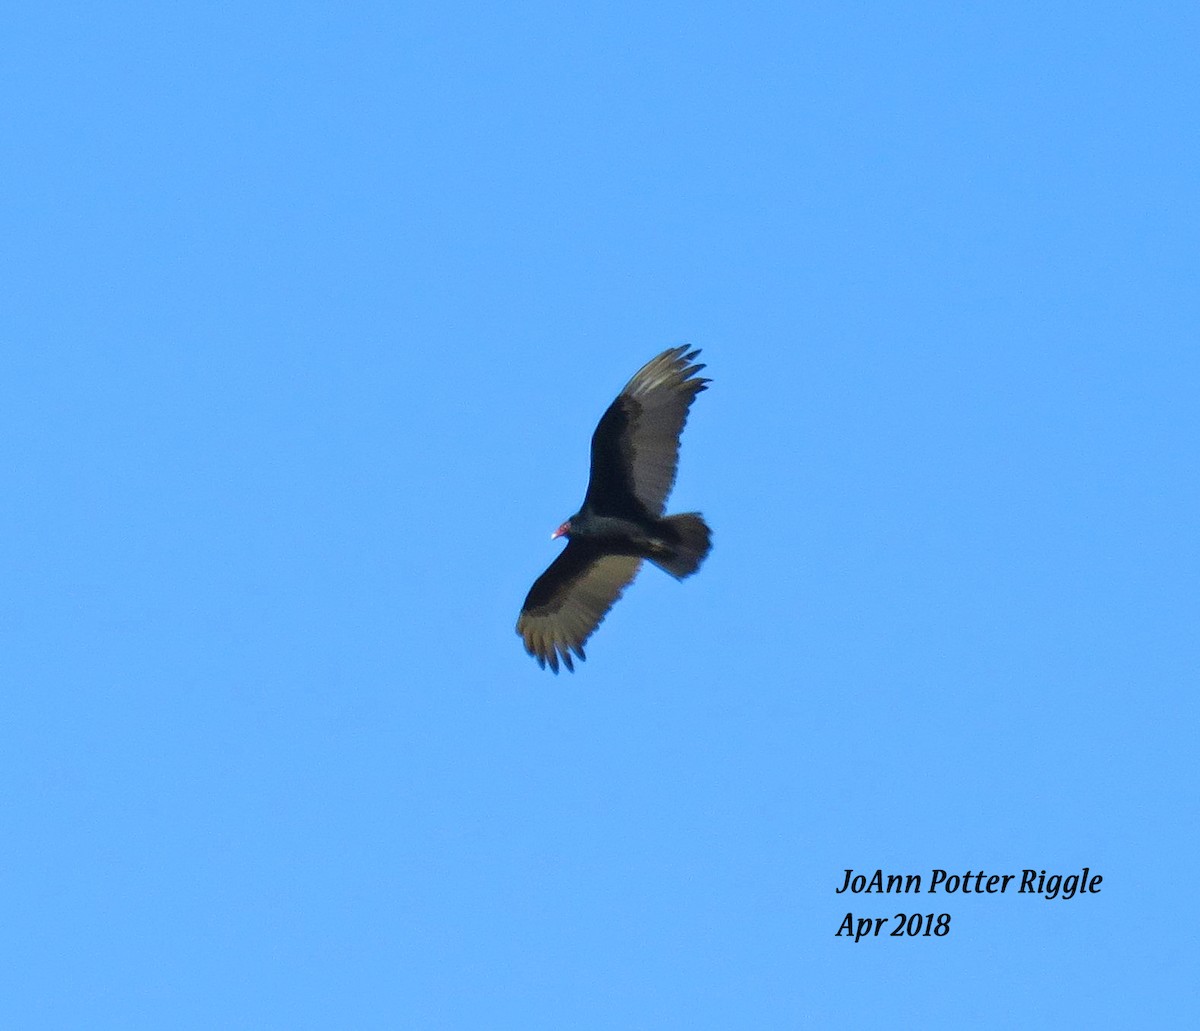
[(309, 312)]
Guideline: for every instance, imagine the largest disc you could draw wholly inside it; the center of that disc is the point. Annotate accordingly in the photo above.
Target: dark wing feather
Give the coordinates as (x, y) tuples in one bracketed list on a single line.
[(570, 599), (635, 449)]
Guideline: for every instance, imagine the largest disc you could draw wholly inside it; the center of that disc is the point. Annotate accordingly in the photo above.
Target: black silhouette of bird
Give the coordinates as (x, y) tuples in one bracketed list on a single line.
[(635, 453)]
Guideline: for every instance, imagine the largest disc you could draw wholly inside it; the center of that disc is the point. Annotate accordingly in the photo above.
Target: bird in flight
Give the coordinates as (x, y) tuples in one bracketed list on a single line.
[(635, 452)]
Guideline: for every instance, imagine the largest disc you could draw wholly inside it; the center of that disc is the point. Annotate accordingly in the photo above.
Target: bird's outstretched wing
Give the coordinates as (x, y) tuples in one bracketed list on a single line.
[(570, 599), (635, 449)]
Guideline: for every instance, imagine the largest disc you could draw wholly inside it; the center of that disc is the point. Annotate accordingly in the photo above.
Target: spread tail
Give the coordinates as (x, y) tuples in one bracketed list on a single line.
[(689, 540)]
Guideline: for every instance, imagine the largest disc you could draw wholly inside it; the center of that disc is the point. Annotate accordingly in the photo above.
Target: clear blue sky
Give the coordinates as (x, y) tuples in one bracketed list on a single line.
[(308, 314)]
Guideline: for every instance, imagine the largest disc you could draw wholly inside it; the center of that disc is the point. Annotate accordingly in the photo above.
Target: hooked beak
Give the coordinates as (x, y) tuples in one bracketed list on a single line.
[(562, 531)]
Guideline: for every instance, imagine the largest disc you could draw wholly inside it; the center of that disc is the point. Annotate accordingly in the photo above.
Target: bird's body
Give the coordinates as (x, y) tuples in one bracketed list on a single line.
[(635, 452), (659, 540)]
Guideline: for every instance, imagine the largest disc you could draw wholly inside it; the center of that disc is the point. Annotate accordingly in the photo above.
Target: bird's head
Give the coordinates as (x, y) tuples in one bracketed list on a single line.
[(562, 531)]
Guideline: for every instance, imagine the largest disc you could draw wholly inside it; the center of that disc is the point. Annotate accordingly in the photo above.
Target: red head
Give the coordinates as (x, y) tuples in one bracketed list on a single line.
[(562, 531)]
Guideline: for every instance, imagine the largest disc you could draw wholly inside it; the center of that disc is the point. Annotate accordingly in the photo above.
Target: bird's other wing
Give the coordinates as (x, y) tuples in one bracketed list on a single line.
[(635, 449), (570, 599)]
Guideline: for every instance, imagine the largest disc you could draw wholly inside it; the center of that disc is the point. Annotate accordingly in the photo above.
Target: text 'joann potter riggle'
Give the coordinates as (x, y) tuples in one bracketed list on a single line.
[(1032, 882)]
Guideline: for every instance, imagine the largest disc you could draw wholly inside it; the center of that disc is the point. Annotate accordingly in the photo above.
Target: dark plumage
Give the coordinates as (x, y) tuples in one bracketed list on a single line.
[(635, 452)]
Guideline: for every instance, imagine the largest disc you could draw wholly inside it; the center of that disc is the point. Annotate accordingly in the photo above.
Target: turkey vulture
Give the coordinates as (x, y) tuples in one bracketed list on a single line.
[(635, 450)]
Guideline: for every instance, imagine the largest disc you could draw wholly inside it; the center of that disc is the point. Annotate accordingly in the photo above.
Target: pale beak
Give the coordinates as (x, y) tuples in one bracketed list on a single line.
[(556, 534)]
